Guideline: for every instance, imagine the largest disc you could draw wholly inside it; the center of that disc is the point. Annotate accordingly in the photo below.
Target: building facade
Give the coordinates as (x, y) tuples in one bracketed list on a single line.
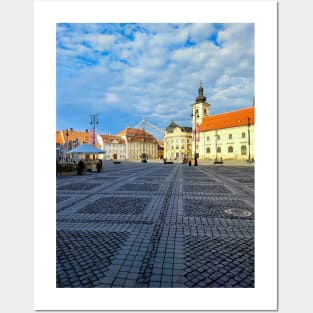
[(223, 136), (114, 147), (228, 135), (139, 144), (177, 142), (69, 139), (160, 149)]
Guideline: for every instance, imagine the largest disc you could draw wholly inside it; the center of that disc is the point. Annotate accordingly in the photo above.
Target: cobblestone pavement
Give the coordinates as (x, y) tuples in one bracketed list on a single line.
[(156, 225)]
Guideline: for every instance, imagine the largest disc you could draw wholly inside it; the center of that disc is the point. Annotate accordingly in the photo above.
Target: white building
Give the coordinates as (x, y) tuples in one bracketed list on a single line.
[(228, 135), (139, 143), (114, 147)]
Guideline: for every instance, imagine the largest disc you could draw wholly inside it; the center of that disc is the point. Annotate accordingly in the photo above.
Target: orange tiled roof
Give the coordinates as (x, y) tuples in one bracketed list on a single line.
[(110, 138), (59, 138), (82, 136), (228, 119), (137, 135)]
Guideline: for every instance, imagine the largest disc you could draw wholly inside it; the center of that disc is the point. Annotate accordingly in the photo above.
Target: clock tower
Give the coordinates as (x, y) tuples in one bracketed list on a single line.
[(200, 109)]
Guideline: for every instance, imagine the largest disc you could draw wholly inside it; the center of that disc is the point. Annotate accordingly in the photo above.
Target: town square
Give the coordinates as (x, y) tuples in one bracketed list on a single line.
[(156, 225)]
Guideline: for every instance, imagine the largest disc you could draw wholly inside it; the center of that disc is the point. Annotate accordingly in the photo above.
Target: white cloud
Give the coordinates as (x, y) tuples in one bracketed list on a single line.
[(151, 72), (111, 98), (100, 42), (200, 31)]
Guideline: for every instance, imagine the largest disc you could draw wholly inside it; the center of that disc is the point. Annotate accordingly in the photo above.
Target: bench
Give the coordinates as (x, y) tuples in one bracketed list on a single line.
[(218, 162), (168, 162), (116, 162)]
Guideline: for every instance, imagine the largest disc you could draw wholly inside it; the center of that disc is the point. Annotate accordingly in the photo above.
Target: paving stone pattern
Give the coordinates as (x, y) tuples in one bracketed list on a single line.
[(143, 225), (114, 205)]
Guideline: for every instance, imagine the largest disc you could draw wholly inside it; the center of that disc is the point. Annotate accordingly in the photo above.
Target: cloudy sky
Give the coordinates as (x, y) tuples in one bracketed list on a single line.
[(127, 72)]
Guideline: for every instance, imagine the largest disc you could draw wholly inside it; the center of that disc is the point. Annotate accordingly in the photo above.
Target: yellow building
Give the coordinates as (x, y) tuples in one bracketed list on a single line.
[(160, 149), (177, 142)]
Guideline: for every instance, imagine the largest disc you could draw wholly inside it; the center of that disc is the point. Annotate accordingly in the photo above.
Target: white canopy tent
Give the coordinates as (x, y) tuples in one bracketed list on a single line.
[(86, 148)]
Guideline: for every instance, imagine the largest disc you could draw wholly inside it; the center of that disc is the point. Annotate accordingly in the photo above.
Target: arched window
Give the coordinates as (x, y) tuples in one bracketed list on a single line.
[(208, 138), (230, 149), (230, 136), (208, 150), (243, 150), (218, 149)]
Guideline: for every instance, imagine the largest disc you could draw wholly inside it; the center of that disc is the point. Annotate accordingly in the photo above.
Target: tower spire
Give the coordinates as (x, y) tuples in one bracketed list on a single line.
[(201, 97)]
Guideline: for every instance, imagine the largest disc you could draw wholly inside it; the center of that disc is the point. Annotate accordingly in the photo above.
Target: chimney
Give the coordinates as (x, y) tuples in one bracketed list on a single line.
[(86, 130), (71, 129)]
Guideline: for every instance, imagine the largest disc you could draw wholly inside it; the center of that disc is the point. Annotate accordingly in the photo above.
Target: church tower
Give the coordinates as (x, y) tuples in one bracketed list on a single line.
[(200, 109)]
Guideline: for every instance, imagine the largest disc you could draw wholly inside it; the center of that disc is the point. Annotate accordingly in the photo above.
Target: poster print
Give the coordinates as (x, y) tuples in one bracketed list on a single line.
[(180, 221)]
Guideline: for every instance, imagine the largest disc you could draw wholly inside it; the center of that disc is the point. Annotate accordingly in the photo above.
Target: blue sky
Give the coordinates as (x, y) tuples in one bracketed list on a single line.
[(127, 72)]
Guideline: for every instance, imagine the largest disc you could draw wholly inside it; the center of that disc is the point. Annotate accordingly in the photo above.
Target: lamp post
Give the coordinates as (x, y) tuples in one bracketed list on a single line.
[(249, 158), (216, 145), (196, 115), (144, 155), (66, 133), (94, 121)]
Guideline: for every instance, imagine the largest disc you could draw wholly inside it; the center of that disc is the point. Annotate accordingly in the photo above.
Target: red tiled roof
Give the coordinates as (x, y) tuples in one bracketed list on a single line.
[(110, 139), (137, 135), (82, 136), (228, 119)]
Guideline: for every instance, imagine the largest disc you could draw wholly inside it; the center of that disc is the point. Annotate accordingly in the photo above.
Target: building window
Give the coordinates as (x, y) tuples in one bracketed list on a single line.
[(208, 138), (204, 111), (243, 150), (218, 137), (243, 135), (218, 149), (230, 136), (208, 150), (230, 149)]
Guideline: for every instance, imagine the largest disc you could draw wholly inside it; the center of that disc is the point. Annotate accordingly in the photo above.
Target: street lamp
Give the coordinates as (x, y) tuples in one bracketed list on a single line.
[(216, 137), (94, 121), (249, 159), (66, 133), (196, 115)]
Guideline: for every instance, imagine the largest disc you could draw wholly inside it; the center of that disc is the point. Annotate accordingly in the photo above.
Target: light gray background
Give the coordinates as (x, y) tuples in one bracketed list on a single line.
[(295, 165)]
